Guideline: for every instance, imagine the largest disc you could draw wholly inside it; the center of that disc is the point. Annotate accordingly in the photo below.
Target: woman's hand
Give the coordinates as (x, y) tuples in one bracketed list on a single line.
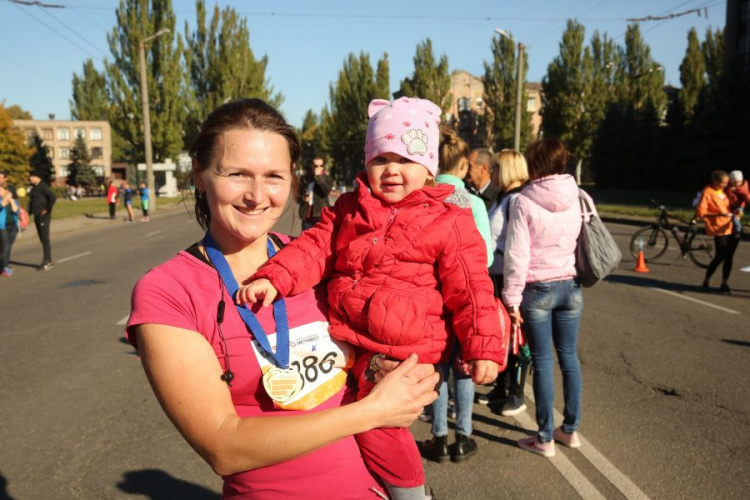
[(400, 395), (483, 371), (515, 315)]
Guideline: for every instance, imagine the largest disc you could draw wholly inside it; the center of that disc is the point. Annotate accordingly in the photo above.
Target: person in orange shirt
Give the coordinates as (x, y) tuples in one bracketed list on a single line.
[(714, 209)]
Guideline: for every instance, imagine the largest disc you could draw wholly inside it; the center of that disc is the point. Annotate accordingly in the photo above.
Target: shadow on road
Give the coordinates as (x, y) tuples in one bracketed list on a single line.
[(103, 217), (23, 264), (645, 281), (123, 340), (158, 485), (736, 342), (3, 489)]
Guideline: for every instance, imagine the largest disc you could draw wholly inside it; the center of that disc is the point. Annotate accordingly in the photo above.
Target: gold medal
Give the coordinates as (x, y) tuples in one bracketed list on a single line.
[(282, 385)]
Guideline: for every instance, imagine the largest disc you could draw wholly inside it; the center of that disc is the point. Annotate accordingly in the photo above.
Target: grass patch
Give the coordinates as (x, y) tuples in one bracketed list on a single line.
[(67, 208)]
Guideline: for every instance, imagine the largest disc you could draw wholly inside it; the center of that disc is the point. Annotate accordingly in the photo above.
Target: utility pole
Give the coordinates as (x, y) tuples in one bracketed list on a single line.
[(147, 117), (519, 89), (519, 98)]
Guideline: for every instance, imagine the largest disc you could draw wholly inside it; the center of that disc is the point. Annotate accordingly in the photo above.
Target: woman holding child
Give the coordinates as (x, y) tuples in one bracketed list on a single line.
[(205, 360)]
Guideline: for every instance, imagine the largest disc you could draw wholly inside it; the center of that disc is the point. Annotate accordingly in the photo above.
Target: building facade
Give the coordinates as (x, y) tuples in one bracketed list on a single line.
[(737, 34), (60, 136), (467, 110)]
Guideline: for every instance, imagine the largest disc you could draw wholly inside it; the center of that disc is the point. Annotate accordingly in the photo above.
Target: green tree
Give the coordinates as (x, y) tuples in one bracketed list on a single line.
[(91, 102), (431, 79), (641, 78), (565, 91), (17, 113), (80, 172), (137, 20), (692, 72), (345, 121), (713, 56), (500, 95), (40, 159), (14, 153), (308, 137), (222, 65)]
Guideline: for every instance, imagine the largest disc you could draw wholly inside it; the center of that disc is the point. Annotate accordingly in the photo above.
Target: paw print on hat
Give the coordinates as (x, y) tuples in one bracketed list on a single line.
[(416, 142)]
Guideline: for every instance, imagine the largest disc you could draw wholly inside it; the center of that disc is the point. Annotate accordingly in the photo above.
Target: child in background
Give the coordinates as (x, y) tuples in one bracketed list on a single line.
[(406, 268), (739, 197)]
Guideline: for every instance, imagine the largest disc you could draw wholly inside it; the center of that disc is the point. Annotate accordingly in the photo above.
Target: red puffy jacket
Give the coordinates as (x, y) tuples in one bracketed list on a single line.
[(402, 277)]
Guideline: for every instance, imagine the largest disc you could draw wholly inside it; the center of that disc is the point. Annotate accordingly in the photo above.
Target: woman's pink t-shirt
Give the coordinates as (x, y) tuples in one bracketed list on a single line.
[(184, 293)]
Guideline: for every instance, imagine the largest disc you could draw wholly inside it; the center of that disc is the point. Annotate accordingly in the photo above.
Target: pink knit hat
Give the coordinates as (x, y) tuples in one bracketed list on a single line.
[(408, 127)]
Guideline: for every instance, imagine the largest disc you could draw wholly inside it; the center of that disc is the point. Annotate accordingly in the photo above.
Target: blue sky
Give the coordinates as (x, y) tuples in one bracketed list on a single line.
[(307, 41)]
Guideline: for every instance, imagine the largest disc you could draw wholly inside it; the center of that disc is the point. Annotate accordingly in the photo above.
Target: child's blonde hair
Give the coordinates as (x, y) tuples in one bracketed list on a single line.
[(451, 151)]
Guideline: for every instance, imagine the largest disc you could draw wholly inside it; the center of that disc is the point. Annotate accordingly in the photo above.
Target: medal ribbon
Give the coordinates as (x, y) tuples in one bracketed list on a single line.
[(281, 357)]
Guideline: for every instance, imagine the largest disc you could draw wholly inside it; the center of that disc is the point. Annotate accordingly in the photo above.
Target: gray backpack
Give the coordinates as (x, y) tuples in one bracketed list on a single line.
[(597, 254)]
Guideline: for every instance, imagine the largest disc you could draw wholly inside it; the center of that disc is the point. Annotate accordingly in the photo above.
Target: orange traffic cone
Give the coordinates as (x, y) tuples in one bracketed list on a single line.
[(641, 264)]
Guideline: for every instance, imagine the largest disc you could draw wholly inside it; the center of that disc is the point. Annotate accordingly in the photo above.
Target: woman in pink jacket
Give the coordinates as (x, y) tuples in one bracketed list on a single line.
[(541, 290)]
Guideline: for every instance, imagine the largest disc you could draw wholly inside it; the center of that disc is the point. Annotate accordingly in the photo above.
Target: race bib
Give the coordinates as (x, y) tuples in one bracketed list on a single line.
[(320, 361)]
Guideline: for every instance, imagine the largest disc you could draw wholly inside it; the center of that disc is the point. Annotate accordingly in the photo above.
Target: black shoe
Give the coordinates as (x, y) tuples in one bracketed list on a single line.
[(496, 395), (463, 448), (436, 449), (513, 406), (724, 288)]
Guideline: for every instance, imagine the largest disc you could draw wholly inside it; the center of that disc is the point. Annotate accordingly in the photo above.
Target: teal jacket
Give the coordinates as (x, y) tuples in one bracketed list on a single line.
[(477, 209)]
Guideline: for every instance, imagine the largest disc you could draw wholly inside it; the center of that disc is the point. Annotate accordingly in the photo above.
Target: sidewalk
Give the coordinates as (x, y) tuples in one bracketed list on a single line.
[(82, 222)]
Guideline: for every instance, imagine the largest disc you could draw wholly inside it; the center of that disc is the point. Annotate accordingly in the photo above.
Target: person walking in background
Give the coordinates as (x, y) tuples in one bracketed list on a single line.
[(541, 290), (127, 199), (112, 199), (41, 201), (715, 210), (453, 164), (481, 166), (739, 197), (315, 186), (8, 228), (510, 177), (143, 192)]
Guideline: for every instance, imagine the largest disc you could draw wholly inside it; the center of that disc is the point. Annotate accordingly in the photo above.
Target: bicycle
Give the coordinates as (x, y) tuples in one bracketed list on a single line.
[(654, 240)]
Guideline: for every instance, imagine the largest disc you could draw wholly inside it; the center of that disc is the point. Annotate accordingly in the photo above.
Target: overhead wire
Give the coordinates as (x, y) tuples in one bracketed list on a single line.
[(66, 26)]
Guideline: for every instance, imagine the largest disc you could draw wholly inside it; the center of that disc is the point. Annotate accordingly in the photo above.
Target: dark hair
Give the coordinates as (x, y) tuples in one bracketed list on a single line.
[(252, 114), (451, 150), (717, 176), (546, 157)]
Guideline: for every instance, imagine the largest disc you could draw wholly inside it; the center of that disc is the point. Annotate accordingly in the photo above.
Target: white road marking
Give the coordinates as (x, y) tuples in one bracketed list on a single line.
[(154, 232), (564, 466), (123, 321), (66, 259), (745, 269), (697, 301), (619, 480)]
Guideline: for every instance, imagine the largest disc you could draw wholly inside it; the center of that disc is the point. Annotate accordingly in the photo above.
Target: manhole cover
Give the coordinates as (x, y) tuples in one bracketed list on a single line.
[(82, 283)]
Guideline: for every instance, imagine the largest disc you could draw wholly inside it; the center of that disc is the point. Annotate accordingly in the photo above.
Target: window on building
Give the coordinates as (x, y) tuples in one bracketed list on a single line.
[(47, 134), (480, 103), (98, 170), (96, 134), (63, 134), (65, 153), (80, 132), (96, 153), (64, 171), (464, 104), (531, 103)]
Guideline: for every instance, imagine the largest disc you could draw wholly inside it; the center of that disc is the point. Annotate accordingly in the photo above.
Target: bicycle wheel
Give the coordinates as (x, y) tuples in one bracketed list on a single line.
[(653, 240), (700, 248)]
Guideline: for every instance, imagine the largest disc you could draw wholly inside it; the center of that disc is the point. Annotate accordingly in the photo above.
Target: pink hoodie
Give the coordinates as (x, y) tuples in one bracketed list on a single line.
[(545, 220)]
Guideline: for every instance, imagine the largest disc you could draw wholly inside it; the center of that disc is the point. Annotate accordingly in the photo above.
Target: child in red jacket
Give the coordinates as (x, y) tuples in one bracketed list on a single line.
[(405, 267)]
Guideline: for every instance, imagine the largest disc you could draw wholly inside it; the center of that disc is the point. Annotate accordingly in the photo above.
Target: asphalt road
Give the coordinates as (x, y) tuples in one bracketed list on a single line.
[(666, 374)]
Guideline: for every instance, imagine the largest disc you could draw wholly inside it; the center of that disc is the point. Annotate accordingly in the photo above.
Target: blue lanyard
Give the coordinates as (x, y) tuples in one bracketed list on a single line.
[(281, 357)]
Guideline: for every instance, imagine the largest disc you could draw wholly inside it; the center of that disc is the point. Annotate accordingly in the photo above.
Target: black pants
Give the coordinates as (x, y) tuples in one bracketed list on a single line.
[(725, 248), (42, 228), (112, 207), (7, 237)]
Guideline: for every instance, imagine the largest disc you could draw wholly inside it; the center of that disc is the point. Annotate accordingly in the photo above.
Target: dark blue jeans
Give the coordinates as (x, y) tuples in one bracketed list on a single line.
[(552, 313)]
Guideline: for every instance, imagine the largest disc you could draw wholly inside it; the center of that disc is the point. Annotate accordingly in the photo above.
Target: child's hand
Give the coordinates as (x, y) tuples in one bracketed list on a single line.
[(261, 289), (483, 371)]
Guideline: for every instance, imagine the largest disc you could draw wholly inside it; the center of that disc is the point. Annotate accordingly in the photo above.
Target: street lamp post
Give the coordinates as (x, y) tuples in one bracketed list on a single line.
[(147, 116), (519, 90)]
